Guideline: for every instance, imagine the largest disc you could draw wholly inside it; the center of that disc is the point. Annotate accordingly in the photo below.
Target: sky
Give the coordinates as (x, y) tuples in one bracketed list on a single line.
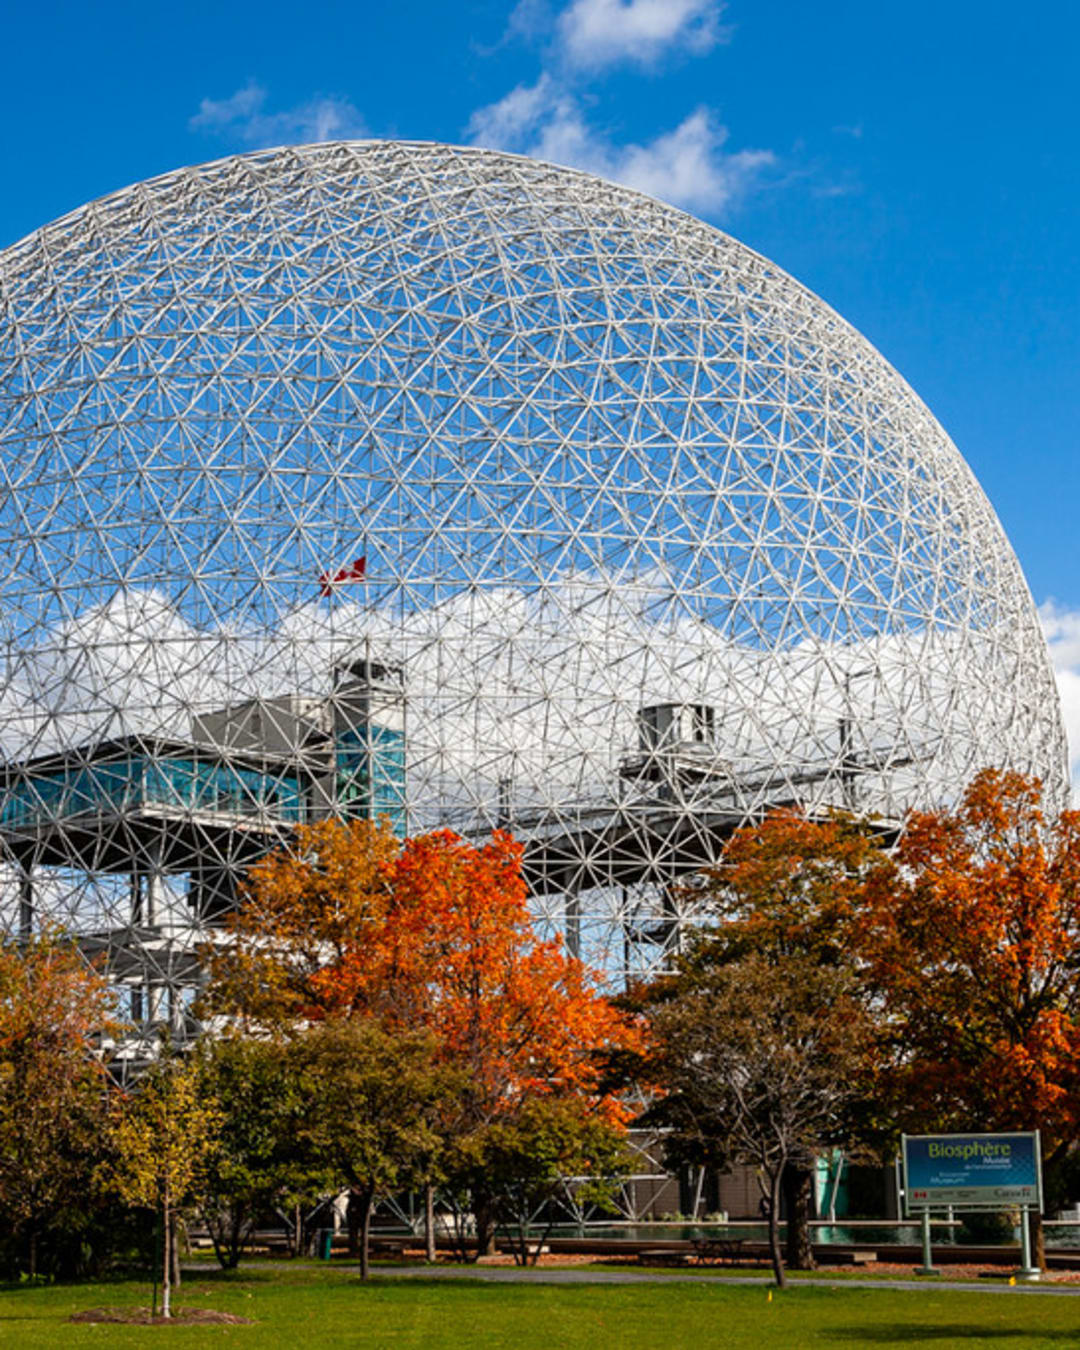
[(916, 165)]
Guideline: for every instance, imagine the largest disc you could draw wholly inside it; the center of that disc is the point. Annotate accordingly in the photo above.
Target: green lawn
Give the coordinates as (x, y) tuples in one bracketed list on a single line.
[(301, 1307)]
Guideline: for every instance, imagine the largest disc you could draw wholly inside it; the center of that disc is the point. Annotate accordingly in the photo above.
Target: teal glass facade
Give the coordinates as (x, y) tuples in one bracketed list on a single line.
[(128, 785), (370, 774)]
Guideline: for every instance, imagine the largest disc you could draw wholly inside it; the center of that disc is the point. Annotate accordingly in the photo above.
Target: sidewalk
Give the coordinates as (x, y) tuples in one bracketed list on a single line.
[(550, 1275)]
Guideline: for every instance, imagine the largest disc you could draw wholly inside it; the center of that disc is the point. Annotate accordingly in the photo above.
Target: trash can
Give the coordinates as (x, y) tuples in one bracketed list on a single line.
[(323, 1241)]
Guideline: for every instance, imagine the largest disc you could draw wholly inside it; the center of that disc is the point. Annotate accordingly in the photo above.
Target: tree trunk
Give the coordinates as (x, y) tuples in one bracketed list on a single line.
[(237, 1234), (367, 1204), (226, 1234), (542, 1239), (798, 1185), (1038, 1238), (429, 1223), (166, 1261), (216, 1229), (31, 1252), (459, 1235), (174, 1248), (774, 1230), (485, 1227), (298, 1232), (155, 1261), (352, 1218), (516, 1230)]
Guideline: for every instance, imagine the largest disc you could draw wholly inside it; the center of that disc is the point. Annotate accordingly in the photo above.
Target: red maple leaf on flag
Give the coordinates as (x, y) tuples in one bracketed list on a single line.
[(355, 571)]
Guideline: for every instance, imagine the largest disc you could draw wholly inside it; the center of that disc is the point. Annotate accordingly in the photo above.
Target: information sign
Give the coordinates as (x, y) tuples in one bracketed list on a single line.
[(972, 1171)]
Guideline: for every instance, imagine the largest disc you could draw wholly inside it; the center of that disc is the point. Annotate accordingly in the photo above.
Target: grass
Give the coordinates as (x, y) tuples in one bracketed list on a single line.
[(301, 1306)]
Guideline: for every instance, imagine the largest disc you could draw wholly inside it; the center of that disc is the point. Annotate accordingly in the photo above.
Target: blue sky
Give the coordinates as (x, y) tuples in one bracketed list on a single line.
[(916, 165)]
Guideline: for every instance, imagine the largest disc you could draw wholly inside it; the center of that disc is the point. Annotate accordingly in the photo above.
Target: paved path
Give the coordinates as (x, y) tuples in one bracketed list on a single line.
[(570, 1275)]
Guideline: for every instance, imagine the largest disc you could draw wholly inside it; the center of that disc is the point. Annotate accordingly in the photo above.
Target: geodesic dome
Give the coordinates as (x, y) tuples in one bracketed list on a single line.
[(394, 478)]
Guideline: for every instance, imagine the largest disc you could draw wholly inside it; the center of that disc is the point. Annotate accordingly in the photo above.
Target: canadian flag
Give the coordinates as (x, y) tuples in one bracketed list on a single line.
[(350, 572)]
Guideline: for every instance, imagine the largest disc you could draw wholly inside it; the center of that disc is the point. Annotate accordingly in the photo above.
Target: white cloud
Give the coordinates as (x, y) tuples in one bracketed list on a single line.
[(687, 166), (530, 19), (243, 117), (597, 33), (1062, 629)]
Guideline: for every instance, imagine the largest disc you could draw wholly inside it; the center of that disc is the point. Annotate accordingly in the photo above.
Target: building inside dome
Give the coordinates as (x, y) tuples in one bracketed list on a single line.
[(406, 480)]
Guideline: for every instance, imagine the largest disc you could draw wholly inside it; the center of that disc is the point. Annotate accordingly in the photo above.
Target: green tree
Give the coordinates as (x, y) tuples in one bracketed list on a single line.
[(375, 1102), (551, 1148), (259, 1161), (163, 1135), (52, 1084)]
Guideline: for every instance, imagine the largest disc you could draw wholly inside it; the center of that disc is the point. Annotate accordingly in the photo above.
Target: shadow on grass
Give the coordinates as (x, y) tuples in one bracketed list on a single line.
[(952, 1331), (40, 1286)]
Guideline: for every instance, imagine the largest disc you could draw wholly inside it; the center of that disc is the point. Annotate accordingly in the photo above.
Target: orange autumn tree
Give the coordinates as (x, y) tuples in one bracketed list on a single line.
[(520, 1014), (434, 934), (975, 951), (52, 1086), (305, 916), (795, 886)]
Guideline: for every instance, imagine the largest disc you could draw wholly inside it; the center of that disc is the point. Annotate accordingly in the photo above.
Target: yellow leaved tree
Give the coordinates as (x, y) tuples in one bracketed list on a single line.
[(163, 1136)]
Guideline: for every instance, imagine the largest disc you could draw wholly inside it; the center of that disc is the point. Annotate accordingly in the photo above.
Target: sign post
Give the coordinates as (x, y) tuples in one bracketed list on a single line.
[(973, 1171), (1027, 1270), (927, 1267)]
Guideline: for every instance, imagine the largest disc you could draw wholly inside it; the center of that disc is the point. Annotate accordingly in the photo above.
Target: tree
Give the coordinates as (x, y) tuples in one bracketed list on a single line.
[(522, 1017), (163, 1135), (434, 935), (305, 914), (551, 1147), (375, 1099), (790, 885), (259, 1162), (787, 887), (975, 951), (52, 1084), (758, 1060)]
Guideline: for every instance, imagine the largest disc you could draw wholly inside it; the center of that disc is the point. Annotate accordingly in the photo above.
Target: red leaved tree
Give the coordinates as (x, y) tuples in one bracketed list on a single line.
[(435, 935), (975, 951)]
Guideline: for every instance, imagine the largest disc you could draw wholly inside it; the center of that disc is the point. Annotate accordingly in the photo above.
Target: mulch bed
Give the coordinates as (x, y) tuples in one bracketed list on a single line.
[(141, 1317)]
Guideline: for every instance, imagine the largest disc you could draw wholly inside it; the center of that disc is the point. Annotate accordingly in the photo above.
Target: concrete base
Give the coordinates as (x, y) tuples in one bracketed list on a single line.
[(927, 1270)]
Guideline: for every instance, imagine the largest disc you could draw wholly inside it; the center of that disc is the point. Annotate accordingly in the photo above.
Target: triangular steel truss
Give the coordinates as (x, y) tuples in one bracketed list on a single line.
[(649, 539)]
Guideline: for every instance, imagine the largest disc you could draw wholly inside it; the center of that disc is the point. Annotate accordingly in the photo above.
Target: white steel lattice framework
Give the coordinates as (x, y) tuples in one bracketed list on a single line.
[(383, 477)]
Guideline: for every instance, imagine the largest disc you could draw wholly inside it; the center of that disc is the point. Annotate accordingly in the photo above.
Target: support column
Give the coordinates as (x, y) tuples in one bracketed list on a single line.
[(26, 905), (148, 891), (176, 1014), (573, 924), (152, 1003), (155, 1008), (624, 916)]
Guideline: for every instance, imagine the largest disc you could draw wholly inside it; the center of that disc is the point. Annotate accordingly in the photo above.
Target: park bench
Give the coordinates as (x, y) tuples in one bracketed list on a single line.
[(848, 1256), (663, 1256), (718, 1251), (387, 1246)]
